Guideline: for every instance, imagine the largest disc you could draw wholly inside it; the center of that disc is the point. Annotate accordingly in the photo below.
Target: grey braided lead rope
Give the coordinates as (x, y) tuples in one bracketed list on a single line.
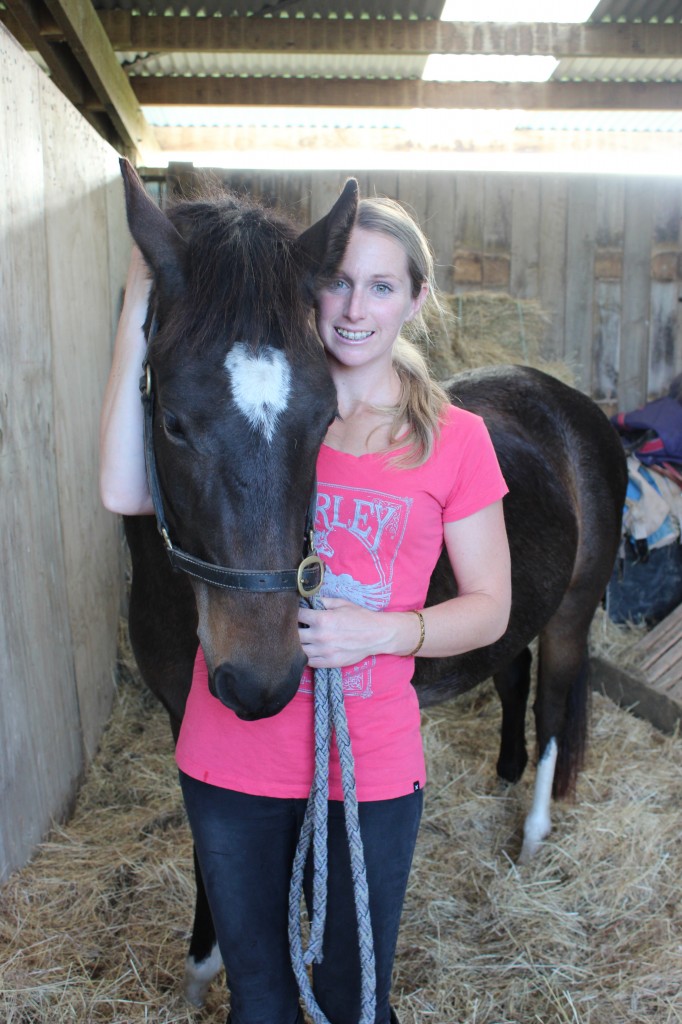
[(330, 711)]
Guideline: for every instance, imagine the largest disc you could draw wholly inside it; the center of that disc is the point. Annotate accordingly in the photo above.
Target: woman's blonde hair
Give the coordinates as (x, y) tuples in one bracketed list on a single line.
[(422, 399)]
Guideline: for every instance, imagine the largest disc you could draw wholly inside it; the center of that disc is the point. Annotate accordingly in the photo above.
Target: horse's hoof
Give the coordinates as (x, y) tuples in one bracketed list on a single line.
[(535, 831), (199, 975)]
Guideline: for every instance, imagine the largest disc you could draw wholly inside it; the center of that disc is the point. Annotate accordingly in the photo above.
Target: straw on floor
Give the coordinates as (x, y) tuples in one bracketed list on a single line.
[(94, 929)]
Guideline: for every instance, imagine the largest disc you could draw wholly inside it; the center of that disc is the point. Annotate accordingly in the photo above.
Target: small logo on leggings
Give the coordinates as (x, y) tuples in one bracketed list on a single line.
[(416, 787)]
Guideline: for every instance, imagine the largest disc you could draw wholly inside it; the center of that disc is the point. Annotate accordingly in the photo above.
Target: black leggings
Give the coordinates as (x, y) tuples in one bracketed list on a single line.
[(245, 846)]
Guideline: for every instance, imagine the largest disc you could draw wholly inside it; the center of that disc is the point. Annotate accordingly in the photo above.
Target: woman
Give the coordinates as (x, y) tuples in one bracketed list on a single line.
[(401, 473)]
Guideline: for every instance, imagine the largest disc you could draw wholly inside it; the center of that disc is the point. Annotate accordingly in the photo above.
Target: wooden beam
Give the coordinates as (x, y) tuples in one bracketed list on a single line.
[(397, 38), (33, 27), (83, 32), (630, 689), (400, 94)]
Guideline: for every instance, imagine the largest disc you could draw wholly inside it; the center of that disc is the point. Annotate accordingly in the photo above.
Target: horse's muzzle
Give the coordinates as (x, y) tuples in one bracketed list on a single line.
[(241, 690)]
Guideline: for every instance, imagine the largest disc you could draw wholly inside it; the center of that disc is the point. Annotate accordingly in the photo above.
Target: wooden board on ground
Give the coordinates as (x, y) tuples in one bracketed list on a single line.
[(653, 690)]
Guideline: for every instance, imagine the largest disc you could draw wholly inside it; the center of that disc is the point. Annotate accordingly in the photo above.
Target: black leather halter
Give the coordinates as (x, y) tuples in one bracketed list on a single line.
[(305, 580)]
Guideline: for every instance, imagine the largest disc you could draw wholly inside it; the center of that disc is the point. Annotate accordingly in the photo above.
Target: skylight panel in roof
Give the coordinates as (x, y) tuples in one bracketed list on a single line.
[(560, 11), (484, 67)]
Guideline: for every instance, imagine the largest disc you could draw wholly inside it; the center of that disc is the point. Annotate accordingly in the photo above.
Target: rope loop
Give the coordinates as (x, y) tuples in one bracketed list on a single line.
[(330, 713)]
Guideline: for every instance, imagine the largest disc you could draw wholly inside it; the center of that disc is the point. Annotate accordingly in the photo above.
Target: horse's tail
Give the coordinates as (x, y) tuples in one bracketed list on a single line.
[(572, 740)]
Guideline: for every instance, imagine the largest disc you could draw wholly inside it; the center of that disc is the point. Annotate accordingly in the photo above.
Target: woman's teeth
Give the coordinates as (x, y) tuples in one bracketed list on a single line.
[(353, 335)]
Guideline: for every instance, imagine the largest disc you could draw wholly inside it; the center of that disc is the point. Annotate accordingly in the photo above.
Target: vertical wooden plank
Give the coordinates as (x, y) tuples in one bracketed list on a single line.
[(383, 183), (608, 290), (580, 250), (497, 213), (664, 348), (468, 232), (440, 222), (552, 260), (292, 189), (634, 356), (40, 741), (497, 218), (663, 337), (412, 192), (525, 237), (76, 222), (606, 344)]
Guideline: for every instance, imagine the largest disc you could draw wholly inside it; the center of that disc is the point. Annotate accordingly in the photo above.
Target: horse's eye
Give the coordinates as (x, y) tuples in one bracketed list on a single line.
[(172, 426)]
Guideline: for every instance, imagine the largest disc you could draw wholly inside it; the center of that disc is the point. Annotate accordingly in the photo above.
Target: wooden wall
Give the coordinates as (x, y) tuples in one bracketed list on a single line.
[(602, 255), (63, 251)]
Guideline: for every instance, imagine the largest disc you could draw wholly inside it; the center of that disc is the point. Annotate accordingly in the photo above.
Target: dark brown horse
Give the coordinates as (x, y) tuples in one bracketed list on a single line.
[(239, 400)]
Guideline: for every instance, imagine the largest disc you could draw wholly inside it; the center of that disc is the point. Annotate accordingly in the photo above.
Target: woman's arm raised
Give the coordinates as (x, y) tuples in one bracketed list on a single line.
[(123, 479)]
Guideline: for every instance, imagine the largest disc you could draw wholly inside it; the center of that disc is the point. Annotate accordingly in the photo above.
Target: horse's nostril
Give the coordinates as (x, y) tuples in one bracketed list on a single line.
[(243, 691), (222, 685)]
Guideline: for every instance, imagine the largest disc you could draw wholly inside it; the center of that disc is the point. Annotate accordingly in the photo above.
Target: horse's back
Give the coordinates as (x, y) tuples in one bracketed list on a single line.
[(569, 436), (564, 467)]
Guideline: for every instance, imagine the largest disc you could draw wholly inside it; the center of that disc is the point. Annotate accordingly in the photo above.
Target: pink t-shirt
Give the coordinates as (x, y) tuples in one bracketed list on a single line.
[(379, 530)]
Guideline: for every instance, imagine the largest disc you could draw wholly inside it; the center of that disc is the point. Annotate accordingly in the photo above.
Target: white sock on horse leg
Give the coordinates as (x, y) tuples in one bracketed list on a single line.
[(538, 824)]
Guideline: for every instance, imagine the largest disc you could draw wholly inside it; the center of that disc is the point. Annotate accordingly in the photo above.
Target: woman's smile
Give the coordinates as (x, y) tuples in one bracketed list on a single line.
[(353, 336)]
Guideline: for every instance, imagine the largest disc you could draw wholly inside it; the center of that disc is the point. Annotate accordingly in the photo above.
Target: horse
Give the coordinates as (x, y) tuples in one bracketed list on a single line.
[(238, 398)]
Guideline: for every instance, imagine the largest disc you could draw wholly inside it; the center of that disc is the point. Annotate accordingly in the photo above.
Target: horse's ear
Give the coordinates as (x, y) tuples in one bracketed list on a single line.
[(324, 244), (162, 246)]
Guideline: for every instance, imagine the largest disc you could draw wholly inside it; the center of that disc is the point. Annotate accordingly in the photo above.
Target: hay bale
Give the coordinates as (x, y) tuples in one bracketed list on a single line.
[(486, 328)]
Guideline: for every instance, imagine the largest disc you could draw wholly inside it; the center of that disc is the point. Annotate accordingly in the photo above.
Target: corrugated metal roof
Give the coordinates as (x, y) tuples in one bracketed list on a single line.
[(282, 65), (607, 10), (610, 69), (288, 8), (638, 10), (277, 65)]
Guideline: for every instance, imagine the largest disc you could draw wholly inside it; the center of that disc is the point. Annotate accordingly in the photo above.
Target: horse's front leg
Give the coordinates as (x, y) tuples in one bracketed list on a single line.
[(203, 958)]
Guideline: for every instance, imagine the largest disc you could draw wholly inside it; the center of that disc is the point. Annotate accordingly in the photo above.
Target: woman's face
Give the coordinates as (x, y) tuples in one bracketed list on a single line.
[(361, 311)]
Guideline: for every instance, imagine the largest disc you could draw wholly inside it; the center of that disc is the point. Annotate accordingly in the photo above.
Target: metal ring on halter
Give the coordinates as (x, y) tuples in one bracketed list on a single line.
[(148, 379), (307, 563)]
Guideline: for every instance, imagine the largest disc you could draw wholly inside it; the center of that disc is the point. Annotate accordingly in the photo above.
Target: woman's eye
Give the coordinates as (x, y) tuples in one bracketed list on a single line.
[(337, 286), (382, 289)]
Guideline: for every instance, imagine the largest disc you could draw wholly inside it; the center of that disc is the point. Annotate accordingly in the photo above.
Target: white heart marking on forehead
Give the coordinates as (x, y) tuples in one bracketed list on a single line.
[(261, 383)]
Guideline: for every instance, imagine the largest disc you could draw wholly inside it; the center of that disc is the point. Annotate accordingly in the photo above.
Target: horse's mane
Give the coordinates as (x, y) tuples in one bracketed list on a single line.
[(246, 281)]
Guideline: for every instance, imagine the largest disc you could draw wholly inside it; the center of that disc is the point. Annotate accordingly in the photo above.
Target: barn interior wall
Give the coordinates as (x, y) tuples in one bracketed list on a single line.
[(601, 254), (63, 253)]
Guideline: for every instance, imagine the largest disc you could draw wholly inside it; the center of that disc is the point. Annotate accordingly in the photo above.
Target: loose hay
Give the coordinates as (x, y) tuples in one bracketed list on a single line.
[(94, 929), (485, 328)]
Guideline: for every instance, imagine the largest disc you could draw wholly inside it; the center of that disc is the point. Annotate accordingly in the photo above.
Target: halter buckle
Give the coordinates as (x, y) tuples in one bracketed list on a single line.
[(308, 563)]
